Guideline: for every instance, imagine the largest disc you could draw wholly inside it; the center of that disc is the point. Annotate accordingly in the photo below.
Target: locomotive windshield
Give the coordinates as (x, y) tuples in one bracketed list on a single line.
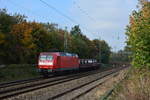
[(46, 57)]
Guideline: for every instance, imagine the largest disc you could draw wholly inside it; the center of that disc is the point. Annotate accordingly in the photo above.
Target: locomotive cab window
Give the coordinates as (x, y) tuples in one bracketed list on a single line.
[(43, 57), (49, 57), (46, 57)]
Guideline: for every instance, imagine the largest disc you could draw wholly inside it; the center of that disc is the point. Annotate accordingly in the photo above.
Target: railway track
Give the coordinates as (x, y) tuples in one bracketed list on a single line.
[(84, 91), (27, 86), (12, 83), (24, 81)]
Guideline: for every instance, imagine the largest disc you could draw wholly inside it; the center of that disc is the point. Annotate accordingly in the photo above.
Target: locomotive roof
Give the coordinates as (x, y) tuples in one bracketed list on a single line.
[(60, 53)]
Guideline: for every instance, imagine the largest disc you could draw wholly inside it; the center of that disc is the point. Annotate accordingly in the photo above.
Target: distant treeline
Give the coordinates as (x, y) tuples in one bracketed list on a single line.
[(21, 41)]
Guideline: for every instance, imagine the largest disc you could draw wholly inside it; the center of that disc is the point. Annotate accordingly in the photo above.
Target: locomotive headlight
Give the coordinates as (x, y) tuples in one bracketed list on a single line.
[(50, 63), (41, 63)]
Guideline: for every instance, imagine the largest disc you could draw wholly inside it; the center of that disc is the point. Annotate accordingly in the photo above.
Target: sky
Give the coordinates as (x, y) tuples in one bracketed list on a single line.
[(98, 19)]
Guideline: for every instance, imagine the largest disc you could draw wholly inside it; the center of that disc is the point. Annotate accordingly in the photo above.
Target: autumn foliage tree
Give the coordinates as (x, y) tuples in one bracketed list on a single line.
[(29, 39), (22, 41), (6, 23), (138, 32)]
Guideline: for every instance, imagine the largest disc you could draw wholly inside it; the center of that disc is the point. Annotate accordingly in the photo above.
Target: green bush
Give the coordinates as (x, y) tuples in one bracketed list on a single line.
[(17, 72)]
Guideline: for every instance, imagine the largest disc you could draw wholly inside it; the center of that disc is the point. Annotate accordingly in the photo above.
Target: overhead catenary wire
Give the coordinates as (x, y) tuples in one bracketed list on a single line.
[(37, 14), (84, 12), (64, 15), (27, 9), (59, 12), (55, 9)]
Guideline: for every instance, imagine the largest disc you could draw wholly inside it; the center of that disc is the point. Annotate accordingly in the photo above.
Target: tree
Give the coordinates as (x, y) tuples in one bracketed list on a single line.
[(22, 41), (102, 50), (81, 44), (121, 55), (6, 23), (76, 30), (7, 20), (30, 39), (138, 32)]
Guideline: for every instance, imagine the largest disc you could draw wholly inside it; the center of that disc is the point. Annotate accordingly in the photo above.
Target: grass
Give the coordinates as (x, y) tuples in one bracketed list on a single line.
[(17, 72), (136, 86)]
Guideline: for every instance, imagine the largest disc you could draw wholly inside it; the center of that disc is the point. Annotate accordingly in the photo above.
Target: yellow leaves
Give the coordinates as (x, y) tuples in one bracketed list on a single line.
[(2, 38), (27, 37), (23, 33), (146, 10), (31, 46)]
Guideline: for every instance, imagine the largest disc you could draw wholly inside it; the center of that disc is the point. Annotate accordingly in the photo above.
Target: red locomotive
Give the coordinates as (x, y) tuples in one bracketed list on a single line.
[(50, 62)]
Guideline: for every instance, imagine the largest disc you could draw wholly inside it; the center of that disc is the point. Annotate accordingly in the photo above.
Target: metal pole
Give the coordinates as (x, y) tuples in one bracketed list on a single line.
[(65, 40), (99, 49)]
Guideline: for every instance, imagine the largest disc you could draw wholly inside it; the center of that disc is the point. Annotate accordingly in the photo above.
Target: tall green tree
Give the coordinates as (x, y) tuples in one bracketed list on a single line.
[(79, 42), (6, 23), (102, 51), (76, 30), (138, 32)]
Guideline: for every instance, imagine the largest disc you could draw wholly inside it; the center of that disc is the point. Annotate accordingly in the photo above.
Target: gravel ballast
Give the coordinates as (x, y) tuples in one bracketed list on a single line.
[(46, 93)]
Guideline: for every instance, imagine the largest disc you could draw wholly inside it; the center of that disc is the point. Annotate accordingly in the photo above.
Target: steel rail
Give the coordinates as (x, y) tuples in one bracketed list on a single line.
[(78, 87), (8, 84), (16, 91)]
